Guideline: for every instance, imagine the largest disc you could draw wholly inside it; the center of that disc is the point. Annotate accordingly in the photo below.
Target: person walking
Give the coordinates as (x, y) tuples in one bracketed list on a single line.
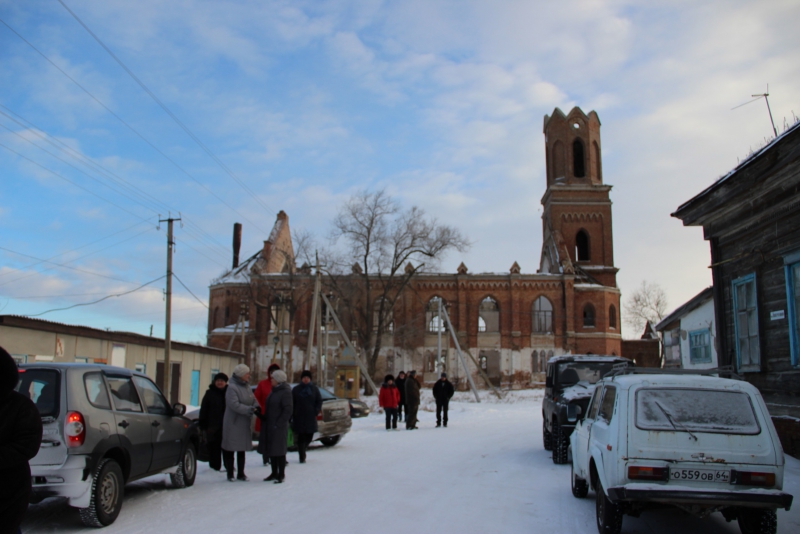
[(240, 405), (306, 405), (263, 390), (412, 400), (212, 413), (275, 426), (20, 438), (401, 387), (442, 392), (389, 399)]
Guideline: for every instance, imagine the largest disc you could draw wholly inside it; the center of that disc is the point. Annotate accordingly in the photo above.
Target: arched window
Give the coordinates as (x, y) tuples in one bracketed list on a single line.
[(388, 316), (535, 362), (582, 246), (216, 324), (435, 323), (542, 316), (489, 316), (578, 159), (588, 316), (612, 316), (558, 160), (227, 315)]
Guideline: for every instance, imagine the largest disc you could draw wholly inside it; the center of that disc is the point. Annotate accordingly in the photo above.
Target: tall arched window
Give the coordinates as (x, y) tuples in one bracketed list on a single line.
[(578, 159), (535, 362), (489, 316), (542, 316), (588, 316), (227, 315), (388, 316), (216, 318), (612, 316), (582, 246), (432, 319)]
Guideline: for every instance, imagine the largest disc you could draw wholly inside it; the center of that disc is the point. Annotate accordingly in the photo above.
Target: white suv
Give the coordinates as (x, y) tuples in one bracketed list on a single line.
[(696, 442)]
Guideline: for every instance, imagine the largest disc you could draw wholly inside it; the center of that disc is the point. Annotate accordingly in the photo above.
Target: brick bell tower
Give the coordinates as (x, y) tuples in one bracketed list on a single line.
[(577, 208)]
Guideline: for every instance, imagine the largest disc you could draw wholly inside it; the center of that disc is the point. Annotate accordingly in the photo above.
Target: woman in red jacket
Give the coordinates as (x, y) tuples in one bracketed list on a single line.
[(263, 390), (389, 399)]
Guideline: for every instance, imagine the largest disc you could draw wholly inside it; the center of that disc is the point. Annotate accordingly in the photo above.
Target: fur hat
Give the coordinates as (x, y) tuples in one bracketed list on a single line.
[(240, 370), (9, 375), (444, 375), (279, 376), (220, 376), (387, 378), (272, 368), (306, 373)]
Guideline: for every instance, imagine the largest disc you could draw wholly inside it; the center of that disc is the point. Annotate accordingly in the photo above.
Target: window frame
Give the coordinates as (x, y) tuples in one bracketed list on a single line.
[(791, 261), (589, 306), (104, 386), (735, 284), (600, 412), (114, 398), (695, 334), (542, 315)]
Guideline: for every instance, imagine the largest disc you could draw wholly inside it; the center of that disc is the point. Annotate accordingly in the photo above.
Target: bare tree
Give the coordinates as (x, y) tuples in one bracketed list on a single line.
[(647, 303), (384, 248)]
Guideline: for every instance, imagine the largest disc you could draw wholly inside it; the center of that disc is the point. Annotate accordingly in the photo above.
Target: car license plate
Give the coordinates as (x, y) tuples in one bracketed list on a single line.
[(703, 475), (337, 413)]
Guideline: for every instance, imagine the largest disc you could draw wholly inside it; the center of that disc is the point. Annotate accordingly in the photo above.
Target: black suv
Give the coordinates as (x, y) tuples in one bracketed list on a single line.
[(104, 427), (569, 386)]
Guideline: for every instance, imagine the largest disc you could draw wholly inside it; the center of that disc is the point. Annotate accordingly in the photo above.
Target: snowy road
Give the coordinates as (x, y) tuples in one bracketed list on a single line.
[(487, 472)]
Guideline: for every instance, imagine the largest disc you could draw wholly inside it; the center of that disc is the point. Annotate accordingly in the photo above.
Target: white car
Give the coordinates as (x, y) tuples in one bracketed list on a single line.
[(696, 442)]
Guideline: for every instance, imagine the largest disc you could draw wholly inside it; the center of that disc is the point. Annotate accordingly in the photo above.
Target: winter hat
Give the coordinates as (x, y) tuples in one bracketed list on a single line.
[(444, 375), (240, 370), (220, 376), (9, 375), (279, 376), (387, 378), (272, 368), (304, 374), (413, 372), (401, 373)]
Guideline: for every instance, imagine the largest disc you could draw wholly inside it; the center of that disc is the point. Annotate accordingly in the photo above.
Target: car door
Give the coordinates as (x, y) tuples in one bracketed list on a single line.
[(133, 425), (580, 448), (601, 432), (167, 431)]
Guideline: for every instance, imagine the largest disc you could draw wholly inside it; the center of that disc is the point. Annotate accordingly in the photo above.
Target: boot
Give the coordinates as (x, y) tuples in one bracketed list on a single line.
[(281, 470), (274, 475)]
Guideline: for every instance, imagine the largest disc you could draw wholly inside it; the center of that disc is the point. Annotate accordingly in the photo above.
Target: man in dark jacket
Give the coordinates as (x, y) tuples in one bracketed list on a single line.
[(20, 437), (412, 400), (400, 382), (212, 410), (442, 393), (307, 404)]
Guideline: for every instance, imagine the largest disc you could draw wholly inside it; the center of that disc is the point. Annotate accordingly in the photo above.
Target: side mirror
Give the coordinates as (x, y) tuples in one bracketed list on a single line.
[(178, 409), (548, 382), (573, 411)]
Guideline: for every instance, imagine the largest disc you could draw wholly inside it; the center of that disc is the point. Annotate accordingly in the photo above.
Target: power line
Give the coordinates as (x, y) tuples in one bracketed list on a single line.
[(99, 300), (131, 128), (189, 290), (167, 110)]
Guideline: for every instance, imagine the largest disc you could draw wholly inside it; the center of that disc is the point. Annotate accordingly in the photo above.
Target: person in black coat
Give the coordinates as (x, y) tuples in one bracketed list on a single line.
[(212, 411), (307, 404), (442, 391), (20, 438), (400, 382)]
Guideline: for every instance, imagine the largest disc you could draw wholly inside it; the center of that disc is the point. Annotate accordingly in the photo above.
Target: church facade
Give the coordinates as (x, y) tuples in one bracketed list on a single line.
[(510, 323)]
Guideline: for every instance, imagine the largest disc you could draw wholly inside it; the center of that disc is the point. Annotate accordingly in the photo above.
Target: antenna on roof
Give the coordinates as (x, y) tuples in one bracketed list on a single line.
[(766, 99)]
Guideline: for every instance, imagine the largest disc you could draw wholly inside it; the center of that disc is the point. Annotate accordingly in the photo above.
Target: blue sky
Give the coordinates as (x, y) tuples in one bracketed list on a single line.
[(308, 102)]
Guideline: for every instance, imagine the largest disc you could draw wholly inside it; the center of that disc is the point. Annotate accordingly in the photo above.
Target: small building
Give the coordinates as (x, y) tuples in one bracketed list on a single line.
[(645, 351), (193, 366), (688, 334)]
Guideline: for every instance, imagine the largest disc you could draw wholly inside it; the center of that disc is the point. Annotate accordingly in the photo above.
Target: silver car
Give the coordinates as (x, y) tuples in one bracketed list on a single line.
[(104, 427)]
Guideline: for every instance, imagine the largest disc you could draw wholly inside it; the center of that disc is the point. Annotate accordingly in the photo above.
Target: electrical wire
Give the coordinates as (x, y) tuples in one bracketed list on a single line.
[(99, 300), (189, 290)]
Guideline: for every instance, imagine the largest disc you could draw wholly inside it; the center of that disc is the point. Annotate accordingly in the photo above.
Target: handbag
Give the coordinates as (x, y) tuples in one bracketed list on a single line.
[(202, 451), (290, 438)]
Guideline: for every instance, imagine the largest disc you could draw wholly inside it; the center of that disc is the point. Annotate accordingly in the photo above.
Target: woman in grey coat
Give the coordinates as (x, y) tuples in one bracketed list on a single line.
[(240, 405), (275, 426)]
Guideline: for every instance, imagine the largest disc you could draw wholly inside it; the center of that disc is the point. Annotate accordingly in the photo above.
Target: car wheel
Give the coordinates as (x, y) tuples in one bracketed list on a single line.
[(187, 469), (547, 437), (331, 441), (580, 488), (560, 445), (108, 487), (758, 521), (609, 515)]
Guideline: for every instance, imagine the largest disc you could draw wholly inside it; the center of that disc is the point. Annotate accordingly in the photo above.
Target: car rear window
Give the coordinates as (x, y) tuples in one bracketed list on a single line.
[(573, 372), (42, 386), (326, 395), (695, 410)]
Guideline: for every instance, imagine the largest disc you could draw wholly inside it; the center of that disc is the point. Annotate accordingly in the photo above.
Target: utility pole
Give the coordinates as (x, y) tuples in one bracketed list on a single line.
[(313, 323), (168, 329), (439, 333)]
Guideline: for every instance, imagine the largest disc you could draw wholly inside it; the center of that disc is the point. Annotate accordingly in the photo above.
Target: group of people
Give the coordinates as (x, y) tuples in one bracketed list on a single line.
[(227, 410), (403, 393)]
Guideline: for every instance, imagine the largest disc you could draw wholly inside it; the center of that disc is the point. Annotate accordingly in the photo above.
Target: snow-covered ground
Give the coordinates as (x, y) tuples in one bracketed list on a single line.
[(486, 472)]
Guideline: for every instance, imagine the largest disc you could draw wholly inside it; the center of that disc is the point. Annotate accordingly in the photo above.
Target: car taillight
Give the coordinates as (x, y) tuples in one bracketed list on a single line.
[(750, 478), (319, 416), (640, 472), (75, 429)]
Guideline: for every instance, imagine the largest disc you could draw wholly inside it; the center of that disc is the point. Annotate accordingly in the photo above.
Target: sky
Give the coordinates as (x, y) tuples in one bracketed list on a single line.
[(299, 105)]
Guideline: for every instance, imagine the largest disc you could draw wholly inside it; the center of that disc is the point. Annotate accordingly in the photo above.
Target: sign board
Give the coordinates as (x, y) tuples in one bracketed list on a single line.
[(777, 315)]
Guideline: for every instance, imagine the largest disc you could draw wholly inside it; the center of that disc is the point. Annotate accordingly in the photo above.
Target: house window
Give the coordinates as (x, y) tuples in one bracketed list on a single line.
[(612, 316), (588, 316), (700, 346), (582, 246), (793, 303), (542, 316), (745, 309), (141, 368)]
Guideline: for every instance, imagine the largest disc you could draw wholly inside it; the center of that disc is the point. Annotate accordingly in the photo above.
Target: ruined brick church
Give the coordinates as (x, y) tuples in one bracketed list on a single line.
[(511, 323)]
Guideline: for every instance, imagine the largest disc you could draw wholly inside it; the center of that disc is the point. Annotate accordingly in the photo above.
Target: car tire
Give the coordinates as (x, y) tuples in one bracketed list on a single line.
[(609, 515), (758, 521), (560, 445), (108, 488), (331, 441), (580, 489), (187, 469), (547, 437)]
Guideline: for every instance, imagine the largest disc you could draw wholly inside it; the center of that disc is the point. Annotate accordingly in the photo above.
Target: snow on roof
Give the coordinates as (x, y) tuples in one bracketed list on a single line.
[(586, 358), (240, 274), (230, 328), (693, 303), (667, 379)]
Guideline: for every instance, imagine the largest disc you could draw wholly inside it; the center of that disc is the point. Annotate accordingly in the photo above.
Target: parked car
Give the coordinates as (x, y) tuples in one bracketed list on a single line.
[(104, 427), (699, 443), (569, 385), (358, 408)]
